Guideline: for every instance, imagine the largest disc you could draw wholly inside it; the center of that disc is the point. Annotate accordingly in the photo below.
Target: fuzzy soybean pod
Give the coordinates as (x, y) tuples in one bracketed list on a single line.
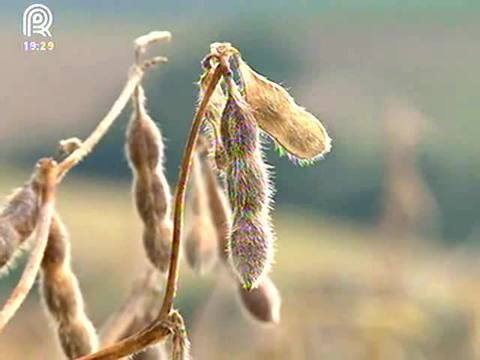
[(201, 241), (249, 191), (213, 116), (145, 152), (62, 296), (18, 219)]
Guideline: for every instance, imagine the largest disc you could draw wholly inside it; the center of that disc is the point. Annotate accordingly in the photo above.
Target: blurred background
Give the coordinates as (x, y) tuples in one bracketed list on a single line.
[(378, 243)]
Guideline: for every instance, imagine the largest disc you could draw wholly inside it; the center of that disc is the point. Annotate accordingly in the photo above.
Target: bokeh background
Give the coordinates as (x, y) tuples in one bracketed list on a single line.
[(377, 244)]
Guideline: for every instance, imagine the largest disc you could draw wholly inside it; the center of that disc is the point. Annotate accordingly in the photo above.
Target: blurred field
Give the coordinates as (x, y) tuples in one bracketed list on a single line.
[(346, 61), (347, 292), (377, 244)]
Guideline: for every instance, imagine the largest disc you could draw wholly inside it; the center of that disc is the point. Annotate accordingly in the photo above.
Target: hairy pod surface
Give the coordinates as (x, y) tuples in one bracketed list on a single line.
[(248, 184), (264, 302), (217, 100), (201, 241), (156, 243), (62, 296), (18, 219), (76, 338), (9, 241), (145, 152), (294, 129), (213, 116)]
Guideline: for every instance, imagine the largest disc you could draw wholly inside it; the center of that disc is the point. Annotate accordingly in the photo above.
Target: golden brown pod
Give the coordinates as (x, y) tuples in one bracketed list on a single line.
[(295, 130), (18, 219), (62, 295), (145, 152)]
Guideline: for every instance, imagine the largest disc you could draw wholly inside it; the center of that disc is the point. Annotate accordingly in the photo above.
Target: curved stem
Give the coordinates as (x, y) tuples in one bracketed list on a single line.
[(158, 330), (103, 126), (184, 176), (134, 79)]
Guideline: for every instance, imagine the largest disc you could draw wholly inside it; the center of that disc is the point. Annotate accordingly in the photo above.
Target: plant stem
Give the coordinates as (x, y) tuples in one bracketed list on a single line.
[(134, 79), (183, 179), (158, 331), (87, 146)]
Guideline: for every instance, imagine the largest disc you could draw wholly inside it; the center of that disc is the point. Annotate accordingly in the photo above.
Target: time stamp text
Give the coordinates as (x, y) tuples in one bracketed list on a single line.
[(38, 46)]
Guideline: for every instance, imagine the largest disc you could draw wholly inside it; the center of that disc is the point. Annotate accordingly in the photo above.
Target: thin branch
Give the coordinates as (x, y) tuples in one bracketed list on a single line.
[(183, 179), (142, 42), (134, 78), (133, 344), (47, 174), (159, 330), (87, 146)]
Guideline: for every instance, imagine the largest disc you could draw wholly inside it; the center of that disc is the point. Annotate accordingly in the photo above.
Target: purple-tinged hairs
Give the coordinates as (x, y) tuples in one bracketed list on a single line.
[(249, 190)]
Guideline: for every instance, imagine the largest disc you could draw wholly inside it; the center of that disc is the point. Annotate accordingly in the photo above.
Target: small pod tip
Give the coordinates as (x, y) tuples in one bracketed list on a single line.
[(262, 303), (251, 249)]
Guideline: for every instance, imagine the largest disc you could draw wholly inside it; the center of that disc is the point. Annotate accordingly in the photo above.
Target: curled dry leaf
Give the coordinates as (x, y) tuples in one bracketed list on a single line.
[(293, 128)]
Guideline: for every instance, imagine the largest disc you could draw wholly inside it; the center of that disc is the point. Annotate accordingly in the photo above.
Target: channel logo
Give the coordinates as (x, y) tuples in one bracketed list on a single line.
[(37, 19)]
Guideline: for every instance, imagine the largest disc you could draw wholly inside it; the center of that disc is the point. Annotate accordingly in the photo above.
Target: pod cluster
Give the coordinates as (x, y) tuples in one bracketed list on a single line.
[(229, 198), (244, 109)]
